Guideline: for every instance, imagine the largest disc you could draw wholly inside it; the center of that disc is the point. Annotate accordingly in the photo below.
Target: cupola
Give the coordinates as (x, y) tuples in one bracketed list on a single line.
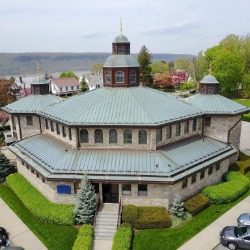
[(39, 86)]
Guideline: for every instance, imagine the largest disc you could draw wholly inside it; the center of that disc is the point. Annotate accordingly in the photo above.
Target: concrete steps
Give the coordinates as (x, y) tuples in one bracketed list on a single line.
[(106, 222)]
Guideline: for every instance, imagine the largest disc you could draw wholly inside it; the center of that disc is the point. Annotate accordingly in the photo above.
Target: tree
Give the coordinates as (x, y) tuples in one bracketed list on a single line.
[(177, 208), (171, 66), (5, 167), (97, 68), (163, 80), (86, 203), (83, 85), (6, 96), (159, 67), (4, 118), (144, 60), (68, 74)]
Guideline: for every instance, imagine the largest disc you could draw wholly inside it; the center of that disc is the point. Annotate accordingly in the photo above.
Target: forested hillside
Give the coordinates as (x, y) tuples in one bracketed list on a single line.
[(26, 63)]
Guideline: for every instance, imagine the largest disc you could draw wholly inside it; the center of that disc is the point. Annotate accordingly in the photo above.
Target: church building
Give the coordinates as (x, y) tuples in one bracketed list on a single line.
[(135, 143)]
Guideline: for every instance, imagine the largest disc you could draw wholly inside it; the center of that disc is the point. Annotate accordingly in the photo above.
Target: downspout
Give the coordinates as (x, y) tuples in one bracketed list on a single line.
[(78, 141), (40, 124), (202, 127), (229, 131), (19, 124)]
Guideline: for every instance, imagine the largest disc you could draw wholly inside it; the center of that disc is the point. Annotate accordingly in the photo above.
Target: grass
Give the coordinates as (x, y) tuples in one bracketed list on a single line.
[(246, 117), (53, 236), (173, 238)]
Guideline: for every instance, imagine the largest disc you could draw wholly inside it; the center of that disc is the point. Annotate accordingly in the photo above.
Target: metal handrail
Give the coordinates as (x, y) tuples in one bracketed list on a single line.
[(119, 213)]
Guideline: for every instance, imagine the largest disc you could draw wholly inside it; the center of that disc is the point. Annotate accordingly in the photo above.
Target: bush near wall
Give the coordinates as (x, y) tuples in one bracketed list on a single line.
[(151, 217), (129, 213), (241, 166), (237, 184), (39, 205), (84, 240), (123, 237), (196, 204)]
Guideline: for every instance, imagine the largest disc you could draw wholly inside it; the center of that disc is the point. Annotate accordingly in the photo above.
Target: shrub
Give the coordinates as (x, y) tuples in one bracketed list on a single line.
[(123, 238), (152, 217), (196, 204), (84, 240), (241, 166), (237, 184), (177, 208), (39, 205), (129, 213)]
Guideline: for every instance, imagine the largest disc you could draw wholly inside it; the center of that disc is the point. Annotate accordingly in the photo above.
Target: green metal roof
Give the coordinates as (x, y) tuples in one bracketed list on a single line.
[(121, 39), (31, 104), (209, 79), (216, 104), (121, 61), (51, 157), (40, 80), (121, 106)]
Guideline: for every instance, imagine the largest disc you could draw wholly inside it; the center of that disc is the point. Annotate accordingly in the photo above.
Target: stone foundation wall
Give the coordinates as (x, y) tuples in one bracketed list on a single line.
[(30, 130), (220, 125)]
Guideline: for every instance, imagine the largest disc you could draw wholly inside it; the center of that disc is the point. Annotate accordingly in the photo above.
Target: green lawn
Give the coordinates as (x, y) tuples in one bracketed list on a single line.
[(245, 102), (173, 238), (54, 237)]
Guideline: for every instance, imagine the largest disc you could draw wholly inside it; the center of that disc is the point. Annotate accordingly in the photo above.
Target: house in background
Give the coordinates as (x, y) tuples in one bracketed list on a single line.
[(64, 86), (93, 81), (179, 77)]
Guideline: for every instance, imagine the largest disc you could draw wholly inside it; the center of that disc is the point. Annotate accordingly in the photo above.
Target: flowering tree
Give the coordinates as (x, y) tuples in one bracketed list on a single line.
[(4, 118)]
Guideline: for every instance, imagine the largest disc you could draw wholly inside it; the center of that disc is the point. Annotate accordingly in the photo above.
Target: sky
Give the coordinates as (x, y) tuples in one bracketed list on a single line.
[(163, 26)]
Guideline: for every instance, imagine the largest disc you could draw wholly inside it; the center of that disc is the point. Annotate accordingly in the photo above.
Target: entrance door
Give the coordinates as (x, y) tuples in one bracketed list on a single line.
[(110, 193)]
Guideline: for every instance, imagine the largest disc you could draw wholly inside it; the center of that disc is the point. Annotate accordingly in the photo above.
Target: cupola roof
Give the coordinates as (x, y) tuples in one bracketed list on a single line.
[(209, 79), (121, 39)]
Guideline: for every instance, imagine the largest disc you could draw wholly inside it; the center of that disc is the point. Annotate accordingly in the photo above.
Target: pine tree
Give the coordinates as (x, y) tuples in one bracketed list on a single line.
[(86, 203), (83, 85), (144, 60), (177, 208), (5, 168)]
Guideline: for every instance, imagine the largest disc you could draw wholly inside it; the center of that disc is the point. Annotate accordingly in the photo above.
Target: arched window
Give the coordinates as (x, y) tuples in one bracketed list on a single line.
[(84, 136), (127, 136), (142, 136), (132, 76), (98, 136), (108, 76), (119, 77), (112, 136)]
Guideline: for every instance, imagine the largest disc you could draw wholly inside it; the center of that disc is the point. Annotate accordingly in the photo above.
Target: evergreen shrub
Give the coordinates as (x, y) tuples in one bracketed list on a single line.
[(39, 205), (84, 240), (129, 213), (152, 217), (236, 185), (241, 166), (123, 238), (196, 204)]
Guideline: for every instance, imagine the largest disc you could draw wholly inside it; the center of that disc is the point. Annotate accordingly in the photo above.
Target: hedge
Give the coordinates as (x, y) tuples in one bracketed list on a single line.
[(123, 238), (241, 166), (151, 217), (237, 184), (39, 205), (196, 204), (84, 240), (129, 213)]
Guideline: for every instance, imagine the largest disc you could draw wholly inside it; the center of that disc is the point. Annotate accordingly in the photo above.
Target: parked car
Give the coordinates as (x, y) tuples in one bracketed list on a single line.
[(244, 220), (3, 234), (235, 237)]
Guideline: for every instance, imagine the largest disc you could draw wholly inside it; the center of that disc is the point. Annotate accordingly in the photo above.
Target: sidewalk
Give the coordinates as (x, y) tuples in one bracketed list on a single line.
[(208, 238), (19, 233)]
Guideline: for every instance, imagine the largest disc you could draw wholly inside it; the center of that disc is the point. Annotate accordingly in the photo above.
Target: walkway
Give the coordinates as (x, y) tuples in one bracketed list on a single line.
[(19, 233)]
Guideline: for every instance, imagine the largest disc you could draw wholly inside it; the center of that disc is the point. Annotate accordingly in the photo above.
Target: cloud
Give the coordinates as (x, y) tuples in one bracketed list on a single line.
[(178, 28), (92, 35)]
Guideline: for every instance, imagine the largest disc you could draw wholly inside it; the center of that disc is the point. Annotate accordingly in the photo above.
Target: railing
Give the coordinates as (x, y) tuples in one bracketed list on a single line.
[(96, 212), (119, 213)]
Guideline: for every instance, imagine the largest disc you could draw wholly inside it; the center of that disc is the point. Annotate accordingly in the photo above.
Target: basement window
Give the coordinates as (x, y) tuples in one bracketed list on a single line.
[(207, 121), (29, 120), (184, 183), (193, 180)]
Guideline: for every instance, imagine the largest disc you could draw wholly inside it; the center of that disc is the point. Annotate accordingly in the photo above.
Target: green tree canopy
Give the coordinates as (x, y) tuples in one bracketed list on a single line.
[(159, 67), (86, 203), (144, 60), (83, 85), (5, 167), (97, 68), (68, 74)]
